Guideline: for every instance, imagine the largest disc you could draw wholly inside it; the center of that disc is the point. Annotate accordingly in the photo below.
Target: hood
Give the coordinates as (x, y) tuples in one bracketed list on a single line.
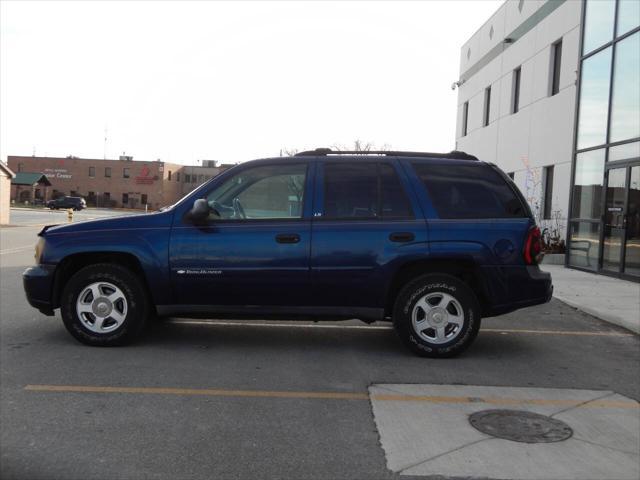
[(128, 222)]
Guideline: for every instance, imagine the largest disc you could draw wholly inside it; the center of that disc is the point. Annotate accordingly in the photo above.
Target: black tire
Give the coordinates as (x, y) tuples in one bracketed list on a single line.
[(416, 290), (131, 286)]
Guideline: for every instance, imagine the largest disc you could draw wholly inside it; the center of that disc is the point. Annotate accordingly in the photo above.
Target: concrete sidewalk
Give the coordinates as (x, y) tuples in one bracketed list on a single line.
[(611, 299)]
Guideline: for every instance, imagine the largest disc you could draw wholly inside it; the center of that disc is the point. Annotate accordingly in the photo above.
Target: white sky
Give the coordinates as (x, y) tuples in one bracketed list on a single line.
[(183, 81)]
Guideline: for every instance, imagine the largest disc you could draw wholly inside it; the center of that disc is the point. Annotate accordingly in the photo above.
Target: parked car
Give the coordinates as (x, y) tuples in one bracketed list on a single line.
[(77, 203), (430, 242)]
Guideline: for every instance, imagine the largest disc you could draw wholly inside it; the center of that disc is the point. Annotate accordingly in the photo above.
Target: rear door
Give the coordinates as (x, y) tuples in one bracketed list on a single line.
[(366, 220)]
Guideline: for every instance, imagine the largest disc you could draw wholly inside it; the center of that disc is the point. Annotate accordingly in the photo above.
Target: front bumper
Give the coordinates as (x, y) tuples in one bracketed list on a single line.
[(38, 287)]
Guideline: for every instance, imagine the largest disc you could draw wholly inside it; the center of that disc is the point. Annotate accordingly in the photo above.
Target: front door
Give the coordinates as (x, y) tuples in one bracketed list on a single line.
[(254, 248), (621, 223)]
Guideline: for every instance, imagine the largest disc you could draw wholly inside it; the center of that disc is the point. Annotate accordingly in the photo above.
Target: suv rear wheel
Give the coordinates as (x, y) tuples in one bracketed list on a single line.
[(437, 315), (104, 305)]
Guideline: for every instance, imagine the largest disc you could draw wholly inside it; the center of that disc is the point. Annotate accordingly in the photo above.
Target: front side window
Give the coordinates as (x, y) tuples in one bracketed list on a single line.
[(107, 172), (125, 173), (364, 190), (266, 192), (469, 191), (92, 171)]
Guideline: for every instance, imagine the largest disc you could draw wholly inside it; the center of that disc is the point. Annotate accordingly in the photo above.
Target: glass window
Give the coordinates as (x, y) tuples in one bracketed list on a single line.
[(125, 173), (364, 190), (587, 187), (469, 191), (624, 152), (515, 95), (350, 190), (465, 118), (625, 105), (487, 106), (547, 204), (594, 100), (125, 198), (556, 50), (584, 238), (628, 15), (143, 199), (92, 171), (107, 172), (598, 24), (394, 202), (178, 177), (266, 192), (169, 174)]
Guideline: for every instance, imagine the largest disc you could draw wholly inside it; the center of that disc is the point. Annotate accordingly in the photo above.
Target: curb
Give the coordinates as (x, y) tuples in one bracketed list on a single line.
[(614, 319)]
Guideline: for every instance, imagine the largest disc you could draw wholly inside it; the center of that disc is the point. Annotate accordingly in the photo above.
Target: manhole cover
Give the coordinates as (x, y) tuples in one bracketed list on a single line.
[(519, 426)]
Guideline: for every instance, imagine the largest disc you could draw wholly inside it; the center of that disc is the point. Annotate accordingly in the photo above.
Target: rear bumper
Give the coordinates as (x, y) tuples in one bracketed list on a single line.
[(38, 285), (526, 286)]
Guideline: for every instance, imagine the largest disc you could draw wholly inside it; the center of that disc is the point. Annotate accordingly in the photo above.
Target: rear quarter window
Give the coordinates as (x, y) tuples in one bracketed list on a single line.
[(469, 191)]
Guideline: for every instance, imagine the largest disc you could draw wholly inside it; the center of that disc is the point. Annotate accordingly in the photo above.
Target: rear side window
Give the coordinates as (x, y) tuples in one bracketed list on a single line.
[(469, 191), (364, 190)]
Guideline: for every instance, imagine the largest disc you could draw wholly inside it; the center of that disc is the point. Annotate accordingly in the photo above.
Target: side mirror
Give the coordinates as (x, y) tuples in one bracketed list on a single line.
[(200, 210)]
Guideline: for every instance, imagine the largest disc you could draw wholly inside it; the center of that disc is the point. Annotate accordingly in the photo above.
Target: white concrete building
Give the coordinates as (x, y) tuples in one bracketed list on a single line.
[(5, 191), (547, 87)]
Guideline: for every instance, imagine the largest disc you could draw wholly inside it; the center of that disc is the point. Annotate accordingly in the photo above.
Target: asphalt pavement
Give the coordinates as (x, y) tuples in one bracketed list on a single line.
[(252, 399)]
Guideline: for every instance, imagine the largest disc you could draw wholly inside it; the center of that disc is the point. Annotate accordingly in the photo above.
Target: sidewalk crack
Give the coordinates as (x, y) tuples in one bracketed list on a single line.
[(582, 404), (421, 462), (636, 454)]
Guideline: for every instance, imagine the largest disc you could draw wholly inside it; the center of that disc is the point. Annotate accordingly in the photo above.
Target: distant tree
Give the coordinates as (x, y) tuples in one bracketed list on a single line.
[(361, 146), (357, 146)]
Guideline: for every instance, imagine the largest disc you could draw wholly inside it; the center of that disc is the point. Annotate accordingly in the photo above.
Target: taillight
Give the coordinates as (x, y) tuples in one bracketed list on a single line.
[(533, 246)]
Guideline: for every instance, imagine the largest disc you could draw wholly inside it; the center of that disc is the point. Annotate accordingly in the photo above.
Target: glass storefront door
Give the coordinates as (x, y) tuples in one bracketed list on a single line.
[(632, 243), (621, 221)]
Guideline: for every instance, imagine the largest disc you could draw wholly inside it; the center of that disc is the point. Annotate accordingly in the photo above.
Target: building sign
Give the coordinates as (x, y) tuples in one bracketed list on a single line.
[(145, 178), (57, 173)]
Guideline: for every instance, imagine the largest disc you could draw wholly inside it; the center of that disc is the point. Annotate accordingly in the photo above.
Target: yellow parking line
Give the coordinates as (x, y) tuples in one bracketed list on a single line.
[(198, 391), (558, 332), (329, 396), (217, 323)]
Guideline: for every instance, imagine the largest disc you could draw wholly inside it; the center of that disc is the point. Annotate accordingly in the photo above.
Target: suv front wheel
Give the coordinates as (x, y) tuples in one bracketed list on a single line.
[(437, 315), (104, 305)]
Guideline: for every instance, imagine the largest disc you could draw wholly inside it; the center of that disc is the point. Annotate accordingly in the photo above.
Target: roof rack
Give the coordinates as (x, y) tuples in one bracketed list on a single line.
[(454, 154)]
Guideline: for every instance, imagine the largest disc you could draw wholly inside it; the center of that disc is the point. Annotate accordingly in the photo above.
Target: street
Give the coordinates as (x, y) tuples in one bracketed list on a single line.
[(253, 399)]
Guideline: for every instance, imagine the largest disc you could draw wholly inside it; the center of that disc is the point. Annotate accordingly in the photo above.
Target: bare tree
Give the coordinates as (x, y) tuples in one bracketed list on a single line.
[(360, 146), (288, 152), (357, 146)]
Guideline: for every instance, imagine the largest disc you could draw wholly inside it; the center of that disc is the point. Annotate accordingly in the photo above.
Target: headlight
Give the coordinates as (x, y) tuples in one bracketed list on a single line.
[(39, 250)]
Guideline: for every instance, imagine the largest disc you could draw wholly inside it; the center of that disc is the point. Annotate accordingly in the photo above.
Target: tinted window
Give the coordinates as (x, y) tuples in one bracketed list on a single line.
[(469, 191), (363, 190), (267, 192), (394, 201)]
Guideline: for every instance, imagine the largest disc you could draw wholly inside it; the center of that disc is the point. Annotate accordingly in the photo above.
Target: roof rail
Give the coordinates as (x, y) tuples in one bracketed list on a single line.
[(454, 154)]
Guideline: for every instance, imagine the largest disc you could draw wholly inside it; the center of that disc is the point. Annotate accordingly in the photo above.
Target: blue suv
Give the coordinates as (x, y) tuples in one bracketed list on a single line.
[(430, 242)]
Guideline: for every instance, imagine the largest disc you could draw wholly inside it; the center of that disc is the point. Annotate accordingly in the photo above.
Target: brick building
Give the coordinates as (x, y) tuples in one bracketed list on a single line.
[(115, 183)]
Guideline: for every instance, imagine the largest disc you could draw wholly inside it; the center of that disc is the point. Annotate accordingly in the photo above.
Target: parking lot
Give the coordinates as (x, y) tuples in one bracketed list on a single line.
[(254, 399)]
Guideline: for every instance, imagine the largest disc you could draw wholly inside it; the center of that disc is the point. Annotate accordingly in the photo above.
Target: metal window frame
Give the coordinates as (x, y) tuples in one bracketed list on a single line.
[(582, 57)]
